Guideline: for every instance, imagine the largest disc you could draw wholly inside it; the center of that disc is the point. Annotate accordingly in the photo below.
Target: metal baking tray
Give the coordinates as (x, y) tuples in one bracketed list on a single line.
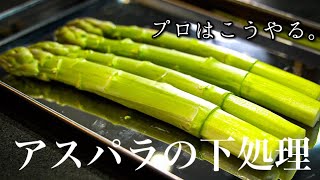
[(106, 120)]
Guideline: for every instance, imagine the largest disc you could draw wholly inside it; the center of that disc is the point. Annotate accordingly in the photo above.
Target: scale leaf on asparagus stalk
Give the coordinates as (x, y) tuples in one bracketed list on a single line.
[(160, 100), (241, 108), (255, 88), (194, 46)]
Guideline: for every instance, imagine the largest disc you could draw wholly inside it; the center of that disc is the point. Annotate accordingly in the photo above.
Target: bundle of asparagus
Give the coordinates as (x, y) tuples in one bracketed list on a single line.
[(193, 46), (241, 108), (160, 100), (260, 90), (114, 113), (199, 107)]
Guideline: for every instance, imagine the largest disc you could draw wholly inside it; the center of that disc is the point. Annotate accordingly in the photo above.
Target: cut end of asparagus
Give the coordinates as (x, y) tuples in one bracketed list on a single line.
[(317, 118)]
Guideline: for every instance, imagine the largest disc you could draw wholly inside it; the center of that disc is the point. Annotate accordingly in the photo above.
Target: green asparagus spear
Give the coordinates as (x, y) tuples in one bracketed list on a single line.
[(260, 90), (241, 108), (160, 100), (115, 113), (193, 46), (100, 107)]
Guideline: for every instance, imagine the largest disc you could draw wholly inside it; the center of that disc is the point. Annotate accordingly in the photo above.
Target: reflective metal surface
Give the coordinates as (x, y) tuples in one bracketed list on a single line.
[(107, 120)]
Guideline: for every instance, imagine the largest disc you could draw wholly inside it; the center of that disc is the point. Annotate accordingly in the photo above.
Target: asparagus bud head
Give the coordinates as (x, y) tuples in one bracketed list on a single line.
[(71, 35), (19, 61)]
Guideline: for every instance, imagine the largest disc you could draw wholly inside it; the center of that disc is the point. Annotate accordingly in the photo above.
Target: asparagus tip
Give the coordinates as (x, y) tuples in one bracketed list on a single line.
[(71, 34), (19, 61)]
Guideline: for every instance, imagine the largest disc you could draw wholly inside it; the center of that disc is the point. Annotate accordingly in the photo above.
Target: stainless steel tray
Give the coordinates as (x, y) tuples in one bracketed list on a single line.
[(106, 120)]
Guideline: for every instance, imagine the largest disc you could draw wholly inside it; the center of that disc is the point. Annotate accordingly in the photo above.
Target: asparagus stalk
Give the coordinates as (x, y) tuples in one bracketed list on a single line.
[(241, 108), (160, 100), (114, 113), (100, 107), (193, 46), (260, 90)]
